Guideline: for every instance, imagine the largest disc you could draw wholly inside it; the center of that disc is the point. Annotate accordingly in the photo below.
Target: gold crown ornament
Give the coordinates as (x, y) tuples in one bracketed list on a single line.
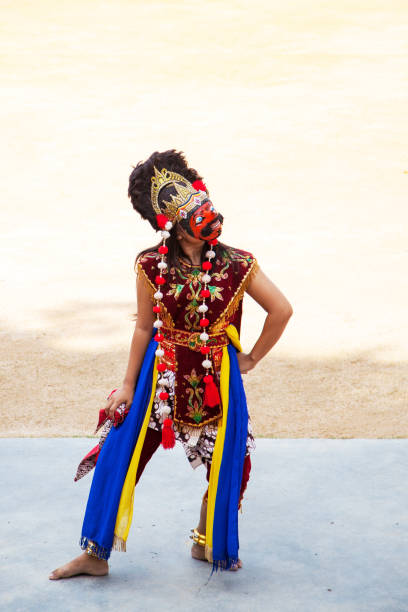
[(186, 199)]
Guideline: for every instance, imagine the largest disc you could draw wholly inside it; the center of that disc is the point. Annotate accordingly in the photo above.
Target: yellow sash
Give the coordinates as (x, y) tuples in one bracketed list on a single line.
[(219, 442), (125, 511)]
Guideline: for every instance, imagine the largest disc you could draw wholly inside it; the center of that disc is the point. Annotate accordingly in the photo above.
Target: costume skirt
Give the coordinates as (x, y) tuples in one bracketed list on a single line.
[(198, 442)]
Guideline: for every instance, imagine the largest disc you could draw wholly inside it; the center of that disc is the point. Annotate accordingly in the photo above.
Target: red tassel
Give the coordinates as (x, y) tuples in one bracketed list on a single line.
[(199, 185), (168, 437), (211, 395), (161, 220)]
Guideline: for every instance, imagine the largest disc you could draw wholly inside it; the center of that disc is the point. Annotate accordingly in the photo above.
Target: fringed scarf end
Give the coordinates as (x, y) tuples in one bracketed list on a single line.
[(224, 564), (208, 553), (119, 544), (99, 551)]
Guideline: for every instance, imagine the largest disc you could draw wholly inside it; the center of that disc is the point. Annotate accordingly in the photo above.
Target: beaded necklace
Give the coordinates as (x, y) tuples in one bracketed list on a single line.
[(211, 395)]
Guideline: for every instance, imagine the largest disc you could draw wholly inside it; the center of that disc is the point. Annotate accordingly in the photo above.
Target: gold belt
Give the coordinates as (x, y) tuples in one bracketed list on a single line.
[(192, 339)]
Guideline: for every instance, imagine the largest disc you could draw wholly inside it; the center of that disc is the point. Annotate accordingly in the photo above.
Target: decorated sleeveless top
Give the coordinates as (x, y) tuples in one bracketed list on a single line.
[(181, 323)]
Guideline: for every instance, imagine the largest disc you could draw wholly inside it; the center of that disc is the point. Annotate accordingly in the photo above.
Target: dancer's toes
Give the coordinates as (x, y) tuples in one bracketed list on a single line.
[(53, 575), (236, 566)]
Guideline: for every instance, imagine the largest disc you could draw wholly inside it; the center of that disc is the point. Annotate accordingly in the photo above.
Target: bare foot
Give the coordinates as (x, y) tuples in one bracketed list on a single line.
[(84, 564), (198, 552)]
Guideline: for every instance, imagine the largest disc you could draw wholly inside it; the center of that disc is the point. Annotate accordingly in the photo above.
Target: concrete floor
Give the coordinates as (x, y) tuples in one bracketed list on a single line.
[(324, 528), (295, 115)]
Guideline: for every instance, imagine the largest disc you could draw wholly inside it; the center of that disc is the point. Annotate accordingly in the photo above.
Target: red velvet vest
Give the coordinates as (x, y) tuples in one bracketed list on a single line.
[(181, 328)]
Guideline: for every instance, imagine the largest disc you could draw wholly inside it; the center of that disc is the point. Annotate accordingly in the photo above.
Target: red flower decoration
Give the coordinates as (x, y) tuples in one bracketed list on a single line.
[(199, 185), (161, 220)]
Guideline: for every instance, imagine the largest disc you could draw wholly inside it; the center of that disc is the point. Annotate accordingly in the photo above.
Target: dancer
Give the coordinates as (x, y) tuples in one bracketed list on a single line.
[(183, 381)]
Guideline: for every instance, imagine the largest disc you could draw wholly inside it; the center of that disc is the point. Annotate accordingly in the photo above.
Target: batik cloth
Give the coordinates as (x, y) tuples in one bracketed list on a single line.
[(199, 443)]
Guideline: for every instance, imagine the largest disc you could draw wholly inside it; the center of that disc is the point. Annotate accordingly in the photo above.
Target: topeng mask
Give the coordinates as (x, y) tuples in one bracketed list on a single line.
[(189, 204), (202, 222)]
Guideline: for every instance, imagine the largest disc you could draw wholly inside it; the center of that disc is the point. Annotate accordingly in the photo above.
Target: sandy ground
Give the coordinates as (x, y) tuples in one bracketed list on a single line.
[(296, 117)]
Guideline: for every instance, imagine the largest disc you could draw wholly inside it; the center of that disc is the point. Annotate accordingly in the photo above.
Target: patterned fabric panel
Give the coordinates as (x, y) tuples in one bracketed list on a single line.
[(181, 299), (198, 444)]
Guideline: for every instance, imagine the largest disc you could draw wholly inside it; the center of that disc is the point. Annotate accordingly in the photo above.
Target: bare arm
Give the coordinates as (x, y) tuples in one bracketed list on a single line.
[(140, 340), (279, 311)]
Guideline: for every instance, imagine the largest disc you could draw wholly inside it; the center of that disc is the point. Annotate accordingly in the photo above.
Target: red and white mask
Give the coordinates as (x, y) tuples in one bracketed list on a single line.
[(201, 221)]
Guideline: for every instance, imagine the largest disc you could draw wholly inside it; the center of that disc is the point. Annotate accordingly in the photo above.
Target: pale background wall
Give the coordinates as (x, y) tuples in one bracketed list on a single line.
[(296, 116)]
